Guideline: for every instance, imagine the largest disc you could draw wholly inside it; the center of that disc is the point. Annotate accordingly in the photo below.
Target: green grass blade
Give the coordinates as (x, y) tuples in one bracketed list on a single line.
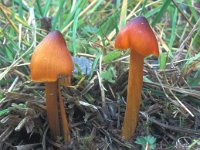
[(193, 11), (161, 12), (75, 24), (118, 3), (122, 20), (94, 65), (20, 9), (196, 41), (96, 6), (163, 60), (39, 7), (143, 7), (46, 8), (56, 18), (70, 15), (152, 12), (173, 32)]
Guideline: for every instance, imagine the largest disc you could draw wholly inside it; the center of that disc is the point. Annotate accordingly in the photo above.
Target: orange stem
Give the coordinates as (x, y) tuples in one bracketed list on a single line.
[(64, 118), (134, 90), (51, 89)]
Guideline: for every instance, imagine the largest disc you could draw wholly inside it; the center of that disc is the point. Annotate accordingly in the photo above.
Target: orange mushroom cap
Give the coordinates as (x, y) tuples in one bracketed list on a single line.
[(51, 59), (138, 36)]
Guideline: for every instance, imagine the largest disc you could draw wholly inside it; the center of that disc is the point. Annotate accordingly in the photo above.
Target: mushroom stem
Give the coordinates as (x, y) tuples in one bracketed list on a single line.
[(64, 121), (135, 80), (51, 89)]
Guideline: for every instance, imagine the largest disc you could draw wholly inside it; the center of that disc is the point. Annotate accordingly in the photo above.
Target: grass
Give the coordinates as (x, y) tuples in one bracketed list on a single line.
[(170, 106)]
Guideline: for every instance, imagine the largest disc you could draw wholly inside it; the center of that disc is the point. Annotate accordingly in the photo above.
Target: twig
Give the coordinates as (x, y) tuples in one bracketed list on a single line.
[(86, 55), (179, 53), (12, 24), (13, 84), (102, 89), (10, 21), (173, 128), (6, 133), (44, 136), (89, 86), (192, 93), (25, 64), (28, 146), (110, 136), (2, 75), (88, 105), (168, 97), (181, 104)]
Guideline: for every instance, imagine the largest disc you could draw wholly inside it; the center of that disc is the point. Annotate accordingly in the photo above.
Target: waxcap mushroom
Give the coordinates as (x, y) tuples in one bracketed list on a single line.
[(138, 36), (51, 59), (52, 63)]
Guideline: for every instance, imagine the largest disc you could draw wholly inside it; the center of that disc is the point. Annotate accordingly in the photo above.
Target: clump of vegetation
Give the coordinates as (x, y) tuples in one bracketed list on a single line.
[(96, 100), (147, 142)]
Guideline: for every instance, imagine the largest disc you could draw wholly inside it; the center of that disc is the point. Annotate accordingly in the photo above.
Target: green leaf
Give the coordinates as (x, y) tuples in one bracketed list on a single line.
[(140, 140), (145, 79), (109, 74), (150, 139), (4, 112), (111, 56), (144, 140), (91, 29)]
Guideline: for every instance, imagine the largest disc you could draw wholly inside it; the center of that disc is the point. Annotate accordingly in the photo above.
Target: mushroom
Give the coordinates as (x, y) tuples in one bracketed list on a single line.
[(52, 64), (139, 37)]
